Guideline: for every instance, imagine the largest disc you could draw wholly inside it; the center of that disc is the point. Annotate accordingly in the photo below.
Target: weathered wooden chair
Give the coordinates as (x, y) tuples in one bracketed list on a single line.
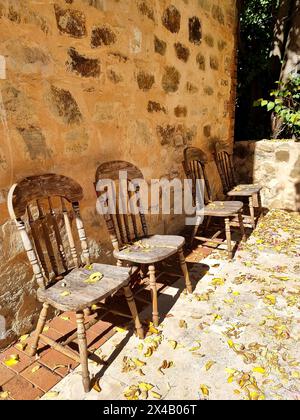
[(129, 232), (224, 162), (44, 209), (194, 165)]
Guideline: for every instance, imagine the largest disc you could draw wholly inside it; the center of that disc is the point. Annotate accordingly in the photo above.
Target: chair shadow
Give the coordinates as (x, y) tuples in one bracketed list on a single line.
[(111, 358), (168, 300), (166, 303)]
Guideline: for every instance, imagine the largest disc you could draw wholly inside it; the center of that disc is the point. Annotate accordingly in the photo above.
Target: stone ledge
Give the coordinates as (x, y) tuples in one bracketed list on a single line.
[(275, 164)]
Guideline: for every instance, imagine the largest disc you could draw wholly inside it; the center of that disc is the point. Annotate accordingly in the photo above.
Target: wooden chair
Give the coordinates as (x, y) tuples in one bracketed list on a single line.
[(129, 232), (225, 166), (194, 165), (44, 209)]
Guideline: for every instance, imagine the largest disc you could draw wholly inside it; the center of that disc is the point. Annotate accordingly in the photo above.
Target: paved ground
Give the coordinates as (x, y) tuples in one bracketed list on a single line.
[(236, 337)]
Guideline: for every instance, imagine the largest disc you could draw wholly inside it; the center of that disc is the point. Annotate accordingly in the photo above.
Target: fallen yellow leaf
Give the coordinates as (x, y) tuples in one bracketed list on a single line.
[(218, 282), (230, 371), (155, 395), (12, 360), (35, 369), (52, 394), (138, 363), (23, 337), (149, 352), (204, 390), (153, 330), (196, 348), (4, 395), (182, 324), (145, 387), (173, 344), (65, 294), (230, 343), (97, 386), (270, 299), (209, 365), (120, 330), (259, 369)]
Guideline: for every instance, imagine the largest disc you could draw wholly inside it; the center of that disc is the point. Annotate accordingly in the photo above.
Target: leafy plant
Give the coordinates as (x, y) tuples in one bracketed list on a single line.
[(255, 72), (285, 104)]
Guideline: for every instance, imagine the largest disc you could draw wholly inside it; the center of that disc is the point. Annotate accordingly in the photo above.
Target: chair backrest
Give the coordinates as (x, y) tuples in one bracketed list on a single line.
[(43, 208), (129, 224), (195, 161), (224, 162)]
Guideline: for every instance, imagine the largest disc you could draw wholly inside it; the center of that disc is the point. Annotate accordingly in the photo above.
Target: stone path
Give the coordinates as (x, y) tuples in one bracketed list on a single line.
[(236, 337)]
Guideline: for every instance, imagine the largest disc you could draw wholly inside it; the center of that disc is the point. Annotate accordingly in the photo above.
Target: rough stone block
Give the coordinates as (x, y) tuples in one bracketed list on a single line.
[(195, 30), (64, 105), (83, 66), (171, 79), (71, 22), (145, 80), (146, 9), (171, 19), (160, 46), (218, 14), (102, 35), (156, 107), (200, 60), (182, 52)]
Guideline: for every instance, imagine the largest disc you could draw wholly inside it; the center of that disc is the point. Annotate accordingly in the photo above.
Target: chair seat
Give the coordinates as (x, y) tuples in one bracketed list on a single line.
[(74, 294), (244, 190), (151, 250), (223, 208)]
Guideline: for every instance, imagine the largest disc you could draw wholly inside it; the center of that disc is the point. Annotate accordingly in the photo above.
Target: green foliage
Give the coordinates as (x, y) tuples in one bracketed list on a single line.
[(257, 26), (285, 104), (255, 75)]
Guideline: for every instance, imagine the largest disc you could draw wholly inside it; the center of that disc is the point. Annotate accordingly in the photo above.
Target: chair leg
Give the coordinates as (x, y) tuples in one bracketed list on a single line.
[(260, 209), (82, 343), (252, 212), (134, 312), (39, 329), (185, 271), (228, 237), (208, 222), (195, 230), (153, 286), (242, 227)]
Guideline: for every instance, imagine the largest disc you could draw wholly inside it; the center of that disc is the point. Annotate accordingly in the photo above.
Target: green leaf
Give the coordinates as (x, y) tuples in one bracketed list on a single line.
[(277, 109), (270, 106), (257, 103), (264, 102)]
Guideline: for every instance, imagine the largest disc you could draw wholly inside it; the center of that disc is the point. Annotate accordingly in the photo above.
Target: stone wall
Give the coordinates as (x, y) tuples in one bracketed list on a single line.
[(87, 81), (275, 164)]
